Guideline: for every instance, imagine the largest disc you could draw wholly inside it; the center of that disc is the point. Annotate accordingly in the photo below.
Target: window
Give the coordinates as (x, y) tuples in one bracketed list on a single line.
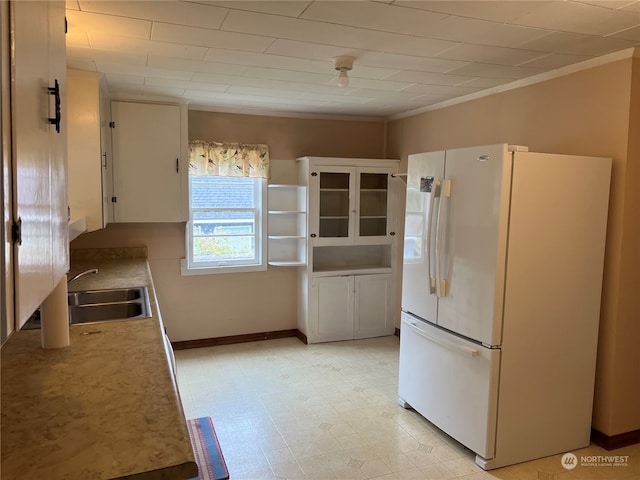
[(227, 220)]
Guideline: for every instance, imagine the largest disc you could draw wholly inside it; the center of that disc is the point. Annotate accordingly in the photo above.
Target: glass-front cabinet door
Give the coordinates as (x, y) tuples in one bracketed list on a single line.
[(332, 205), (351, 205), (373, 194)]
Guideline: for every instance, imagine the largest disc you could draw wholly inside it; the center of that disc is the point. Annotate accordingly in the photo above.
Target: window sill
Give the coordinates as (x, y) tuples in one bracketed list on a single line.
[(185, 270)]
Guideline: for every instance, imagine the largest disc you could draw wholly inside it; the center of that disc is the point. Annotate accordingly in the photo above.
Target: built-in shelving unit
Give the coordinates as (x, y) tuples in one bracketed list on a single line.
[(347, 289), (287, 224)]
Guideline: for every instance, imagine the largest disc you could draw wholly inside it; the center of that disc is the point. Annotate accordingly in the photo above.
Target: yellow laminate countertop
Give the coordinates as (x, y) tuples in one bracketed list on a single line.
[(105, 407)]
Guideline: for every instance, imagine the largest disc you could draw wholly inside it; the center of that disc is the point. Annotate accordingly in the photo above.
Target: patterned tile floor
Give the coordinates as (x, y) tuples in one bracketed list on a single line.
[(285, 410)]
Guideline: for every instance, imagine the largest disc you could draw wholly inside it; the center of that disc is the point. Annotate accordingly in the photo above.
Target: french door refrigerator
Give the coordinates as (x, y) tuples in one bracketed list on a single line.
[(502, 277)]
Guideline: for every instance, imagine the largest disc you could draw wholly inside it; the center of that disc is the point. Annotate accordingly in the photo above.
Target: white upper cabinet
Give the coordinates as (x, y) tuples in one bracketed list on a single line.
[(148, 179), (351, 205), (39, 151), (89, 160)]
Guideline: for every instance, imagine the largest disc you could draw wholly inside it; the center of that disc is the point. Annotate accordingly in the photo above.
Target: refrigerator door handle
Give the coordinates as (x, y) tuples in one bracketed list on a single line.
[(430, 218), (472, 352), (441, 282)]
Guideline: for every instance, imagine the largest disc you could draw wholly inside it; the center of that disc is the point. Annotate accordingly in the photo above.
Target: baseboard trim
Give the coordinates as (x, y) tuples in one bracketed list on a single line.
[(613, 442), (250, 337), (302, 337)]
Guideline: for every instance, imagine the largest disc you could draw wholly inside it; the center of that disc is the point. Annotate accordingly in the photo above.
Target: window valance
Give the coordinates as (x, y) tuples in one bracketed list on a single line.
[(228, 159)]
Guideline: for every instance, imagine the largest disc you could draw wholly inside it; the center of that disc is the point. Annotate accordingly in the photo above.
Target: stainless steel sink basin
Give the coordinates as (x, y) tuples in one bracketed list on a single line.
[(92, 306), (106, 296), (102, 312)]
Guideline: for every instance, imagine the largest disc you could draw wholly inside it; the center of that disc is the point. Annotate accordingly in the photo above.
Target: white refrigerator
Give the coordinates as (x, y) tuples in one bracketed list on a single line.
[(502, 278)]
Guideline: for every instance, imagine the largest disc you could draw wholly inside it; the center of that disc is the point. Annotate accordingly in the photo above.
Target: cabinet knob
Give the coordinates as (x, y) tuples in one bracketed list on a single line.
[(313, 235), (392, 233)]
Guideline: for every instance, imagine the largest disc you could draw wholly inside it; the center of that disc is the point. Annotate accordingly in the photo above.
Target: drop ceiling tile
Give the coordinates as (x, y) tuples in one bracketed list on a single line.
[(577, 44), (498, 11), (186, 85), (351, 99), (143, 71), (288, 75), (611, 4), (577, 18), (76, 38), (94, 22), (374, 16), (632, 7), (410, 76), (107, 56), (339, 35), (482, 83), (114, 79), (287, 63), (482, 53), (471, 30), (497, 71), (407, 62), (133, 45), (290, 8), (388, 63), (205, 37), (176, 93), (385, 95), (236, 100), (440, 90), (631, 34), (196, 66), (555, 60), (182, 13)]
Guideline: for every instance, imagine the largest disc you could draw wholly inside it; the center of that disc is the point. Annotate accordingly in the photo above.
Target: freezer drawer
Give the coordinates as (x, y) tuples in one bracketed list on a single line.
[(453, 383)]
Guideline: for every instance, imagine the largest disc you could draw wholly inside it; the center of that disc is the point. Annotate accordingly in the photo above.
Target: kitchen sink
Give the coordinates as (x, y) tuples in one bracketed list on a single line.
[(106, 296), (102, 312), (93, 306)]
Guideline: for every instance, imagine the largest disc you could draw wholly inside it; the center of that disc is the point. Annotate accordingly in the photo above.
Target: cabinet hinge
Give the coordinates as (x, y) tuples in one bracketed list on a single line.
[(114, 199), (16, 231), (112, 124)]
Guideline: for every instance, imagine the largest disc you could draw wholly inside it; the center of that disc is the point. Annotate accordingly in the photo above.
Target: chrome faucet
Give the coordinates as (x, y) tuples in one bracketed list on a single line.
[(81, 274)]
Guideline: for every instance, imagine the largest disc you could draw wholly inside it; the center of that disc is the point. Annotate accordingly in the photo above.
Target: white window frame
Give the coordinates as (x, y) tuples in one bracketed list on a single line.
[(189, 267)]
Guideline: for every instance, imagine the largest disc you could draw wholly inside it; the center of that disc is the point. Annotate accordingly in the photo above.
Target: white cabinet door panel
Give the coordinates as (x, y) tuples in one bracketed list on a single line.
[(331, 309), (146, 151), (374, 301)]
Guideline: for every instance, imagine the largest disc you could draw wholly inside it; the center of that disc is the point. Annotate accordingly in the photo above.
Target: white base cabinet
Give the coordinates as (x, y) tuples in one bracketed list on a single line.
[(350, 307)]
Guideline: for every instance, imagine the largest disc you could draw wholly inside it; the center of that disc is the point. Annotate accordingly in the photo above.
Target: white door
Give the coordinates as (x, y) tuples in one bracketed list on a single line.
[(425, 174), (453, 383), (374, 306), (146, 153), (472, 230), (331, 309)]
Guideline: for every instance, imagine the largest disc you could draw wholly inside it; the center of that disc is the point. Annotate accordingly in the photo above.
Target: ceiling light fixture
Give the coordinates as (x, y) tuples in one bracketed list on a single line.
[(343, 64)]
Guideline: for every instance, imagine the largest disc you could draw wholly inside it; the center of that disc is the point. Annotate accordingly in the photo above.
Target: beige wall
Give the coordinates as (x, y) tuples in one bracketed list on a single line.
[(210, 306), (585, 113)]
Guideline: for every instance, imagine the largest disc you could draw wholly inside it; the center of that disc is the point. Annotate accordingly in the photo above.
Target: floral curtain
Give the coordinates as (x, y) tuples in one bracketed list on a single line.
[(228, 159)]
